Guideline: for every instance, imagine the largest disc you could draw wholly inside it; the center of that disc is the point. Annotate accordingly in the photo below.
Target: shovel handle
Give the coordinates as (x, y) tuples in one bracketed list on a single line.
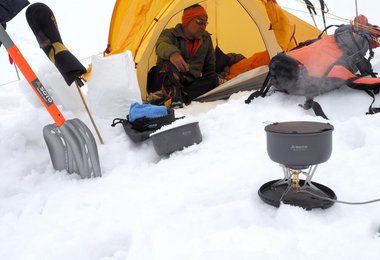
[(31, 77)]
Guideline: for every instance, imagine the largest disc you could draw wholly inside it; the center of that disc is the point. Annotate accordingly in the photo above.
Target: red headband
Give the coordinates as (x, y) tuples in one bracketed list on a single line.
[(191, 13)]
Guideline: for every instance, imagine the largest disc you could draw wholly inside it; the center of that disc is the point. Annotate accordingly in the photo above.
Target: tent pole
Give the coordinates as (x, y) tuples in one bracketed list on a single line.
[(216, 23), (356, 8), (357, 13)]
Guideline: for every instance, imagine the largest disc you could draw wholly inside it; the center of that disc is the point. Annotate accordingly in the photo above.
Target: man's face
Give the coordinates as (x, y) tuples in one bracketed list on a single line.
[(197, 27)]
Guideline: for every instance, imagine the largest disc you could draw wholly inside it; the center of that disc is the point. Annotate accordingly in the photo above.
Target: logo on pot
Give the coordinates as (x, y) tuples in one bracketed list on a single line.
[(298, 148), (185, 133)]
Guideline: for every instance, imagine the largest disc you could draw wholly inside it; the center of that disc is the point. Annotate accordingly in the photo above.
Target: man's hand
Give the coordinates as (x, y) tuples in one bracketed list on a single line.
[(177, 60)]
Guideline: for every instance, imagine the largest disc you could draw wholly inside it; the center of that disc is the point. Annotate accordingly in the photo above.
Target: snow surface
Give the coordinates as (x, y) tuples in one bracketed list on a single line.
[(200, 203)]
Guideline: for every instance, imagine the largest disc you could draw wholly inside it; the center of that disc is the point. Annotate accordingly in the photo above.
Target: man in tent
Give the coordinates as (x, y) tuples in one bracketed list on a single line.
[(186, 61)]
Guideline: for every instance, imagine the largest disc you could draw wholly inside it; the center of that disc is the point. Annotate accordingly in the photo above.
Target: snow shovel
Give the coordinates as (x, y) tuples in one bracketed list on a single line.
[(71, 145), (44, 26)]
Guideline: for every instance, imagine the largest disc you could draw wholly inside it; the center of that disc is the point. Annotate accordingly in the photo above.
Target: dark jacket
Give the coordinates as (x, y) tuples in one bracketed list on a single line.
[(10, 8), (173, 40)]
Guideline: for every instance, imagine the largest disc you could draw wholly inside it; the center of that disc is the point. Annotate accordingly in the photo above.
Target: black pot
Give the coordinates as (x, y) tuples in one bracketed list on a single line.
[(299, 144), (177, 138)]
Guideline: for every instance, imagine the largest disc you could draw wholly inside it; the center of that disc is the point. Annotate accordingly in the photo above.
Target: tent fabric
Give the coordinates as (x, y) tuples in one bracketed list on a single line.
[(256, 25), (281, 25), (255, 61), (131, 19), (249, 80)]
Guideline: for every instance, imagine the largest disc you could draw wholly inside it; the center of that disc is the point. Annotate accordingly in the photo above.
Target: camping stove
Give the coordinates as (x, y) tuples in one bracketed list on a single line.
[(298, 147)]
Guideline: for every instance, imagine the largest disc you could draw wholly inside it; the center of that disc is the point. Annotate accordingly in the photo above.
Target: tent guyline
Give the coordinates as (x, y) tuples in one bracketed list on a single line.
[(329, 16), (327, 13)]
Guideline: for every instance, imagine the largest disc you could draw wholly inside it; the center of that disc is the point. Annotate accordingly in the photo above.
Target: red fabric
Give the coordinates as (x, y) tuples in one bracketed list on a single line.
[(191, 13), (318, 56), (10, 59), (343, 73), (374, 29), (340, 72), (362, 19), (192, 47)]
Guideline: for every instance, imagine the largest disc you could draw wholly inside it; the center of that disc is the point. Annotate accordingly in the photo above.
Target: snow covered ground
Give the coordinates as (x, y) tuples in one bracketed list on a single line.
[(200, 203)]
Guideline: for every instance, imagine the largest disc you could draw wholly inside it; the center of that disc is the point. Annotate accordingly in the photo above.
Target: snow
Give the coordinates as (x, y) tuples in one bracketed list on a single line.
[(199, 203)]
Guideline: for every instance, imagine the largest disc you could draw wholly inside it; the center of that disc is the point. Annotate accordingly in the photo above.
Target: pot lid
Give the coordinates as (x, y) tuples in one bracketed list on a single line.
[(298, 127)]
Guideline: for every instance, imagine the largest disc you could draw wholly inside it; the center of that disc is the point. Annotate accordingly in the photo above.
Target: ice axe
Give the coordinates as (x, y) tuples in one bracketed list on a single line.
[(71, 145), (44, 26)]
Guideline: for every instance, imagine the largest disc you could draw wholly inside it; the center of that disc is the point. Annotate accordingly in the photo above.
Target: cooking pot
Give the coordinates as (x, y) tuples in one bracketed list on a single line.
[(299, 144)]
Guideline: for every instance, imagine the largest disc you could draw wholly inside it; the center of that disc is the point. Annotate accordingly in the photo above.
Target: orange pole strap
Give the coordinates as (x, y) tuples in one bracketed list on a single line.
[(36, 85)]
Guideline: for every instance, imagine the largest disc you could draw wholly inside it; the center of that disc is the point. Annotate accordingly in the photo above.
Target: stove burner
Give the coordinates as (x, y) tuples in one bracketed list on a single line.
[(297, 192)]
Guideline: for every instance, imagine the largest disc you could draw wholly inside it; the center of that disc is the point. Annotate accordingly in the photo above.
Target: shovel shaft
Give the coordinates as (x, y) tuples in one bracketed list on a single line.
[(31, 77)]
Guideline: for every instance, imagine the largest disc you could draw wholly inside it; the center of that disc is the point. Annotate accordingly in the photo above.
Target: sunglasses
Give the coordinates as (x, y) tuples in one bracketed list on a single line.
[(201, 22)]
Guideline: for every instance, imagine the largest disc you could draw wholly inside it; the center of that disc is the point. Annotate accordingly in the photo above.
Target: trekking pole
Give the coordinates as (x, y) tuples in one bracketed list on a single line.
[(79, 83), (323, 7), (18, 75), (311, 9), (356, 8), (356, 20)]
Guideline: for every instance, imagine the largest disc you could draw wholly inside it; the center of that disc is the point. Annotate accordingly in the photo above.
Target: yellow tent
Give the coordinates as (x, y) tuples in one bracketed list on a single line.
[(237, 26)]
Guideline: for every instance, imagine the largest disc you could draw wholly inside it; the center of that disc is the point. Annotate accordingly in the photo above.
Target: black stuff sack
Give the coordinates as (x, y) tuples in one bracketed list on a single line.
[(44, 26), (144, 119), (10, 8)]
